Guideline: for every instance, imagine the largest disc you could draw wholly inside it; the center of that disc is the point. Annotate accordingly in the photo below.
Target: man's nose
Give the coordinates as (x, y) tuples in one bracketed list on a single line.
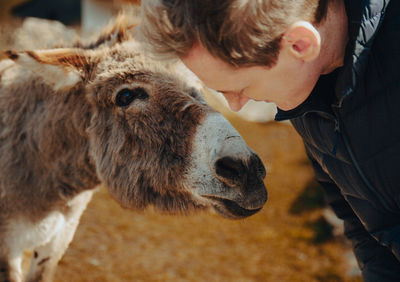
[(235, 101)]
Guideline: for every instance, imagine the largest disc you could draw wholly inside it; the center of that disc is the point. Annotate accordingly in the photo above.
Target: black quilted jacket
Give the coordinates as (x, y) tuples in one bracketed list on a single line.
[(350, 125)]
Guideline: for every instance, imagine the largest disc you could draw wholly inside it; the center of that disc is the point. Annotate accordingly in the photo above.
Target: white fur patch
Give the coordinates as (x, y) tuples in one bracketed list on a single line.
[(24, 235)]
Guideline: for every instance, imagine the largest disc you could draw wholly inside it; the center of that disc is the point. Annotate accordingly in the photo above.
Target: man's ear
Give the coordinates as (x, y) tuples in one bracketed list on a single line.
[(61, 68), (303, 41)]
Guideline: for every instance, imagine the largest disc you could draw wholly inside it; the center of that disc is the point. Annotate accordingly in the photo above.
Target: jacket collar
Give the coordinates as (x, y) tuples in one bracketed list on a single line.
[(364, 19)]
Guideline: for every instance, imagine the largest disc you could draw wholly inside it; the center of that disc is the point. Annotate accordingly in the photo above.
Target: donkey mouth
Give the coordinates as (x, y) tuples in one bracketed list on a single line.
[(231, 209)]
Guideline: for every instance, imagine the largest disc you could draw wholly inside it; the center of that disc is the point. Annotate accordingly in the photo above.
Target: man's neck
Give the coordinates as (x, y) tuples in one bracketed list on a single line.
[(334, 35)]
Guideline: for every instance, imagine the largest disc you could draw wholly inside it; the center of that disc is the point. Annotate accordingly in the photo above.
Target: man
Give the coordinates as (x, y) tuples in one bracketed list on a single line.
[(331, 67)]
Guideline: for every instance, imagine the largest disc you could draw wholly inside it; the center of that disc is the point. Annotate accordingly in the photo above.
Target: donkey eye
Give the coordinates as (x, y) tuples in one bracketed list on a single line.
[(126, 96)]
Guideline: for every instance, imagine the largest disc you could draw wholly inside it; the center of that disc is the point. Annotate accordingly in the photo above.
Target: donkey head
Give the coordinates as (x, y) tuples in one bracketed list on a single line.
[(151, 137)]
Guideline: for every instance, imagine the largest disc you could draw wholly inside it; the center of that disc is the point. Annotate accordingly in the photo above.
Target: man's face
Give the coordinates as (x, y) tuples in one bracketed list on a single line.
[(287, 84)]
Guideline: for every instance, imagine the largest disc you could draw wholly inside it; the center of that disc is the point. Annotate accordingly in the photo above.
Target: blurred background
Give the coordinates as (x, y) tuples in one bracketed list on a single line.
[(294, 238)]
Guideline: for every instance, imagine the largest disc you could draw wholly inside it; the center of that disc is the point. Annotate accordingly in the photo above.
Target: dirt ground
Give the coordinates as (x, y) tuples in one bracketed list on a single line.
[(286, 241)]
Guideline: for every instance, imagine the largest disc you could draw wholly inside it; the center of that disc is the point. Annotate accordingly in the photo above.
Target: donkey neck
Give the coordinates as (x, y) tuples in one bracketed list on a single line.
[(43, 143)]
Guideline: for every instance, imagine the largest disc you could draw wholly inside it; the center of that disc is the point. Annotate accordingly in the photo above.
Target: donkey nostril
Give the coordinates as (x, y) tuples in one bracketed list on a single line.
[(229, 169)]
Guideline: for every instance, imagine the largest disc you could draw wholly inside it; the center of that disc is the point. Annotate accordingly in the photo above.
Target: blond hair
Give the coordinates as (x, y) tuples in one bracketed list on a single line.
[(239, 32)]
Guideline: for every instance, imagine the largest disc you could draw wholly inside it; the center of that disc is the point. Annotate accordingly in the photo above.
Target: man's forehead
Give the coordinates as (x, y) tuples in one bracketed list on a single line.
[(208, 68), (199, 54)]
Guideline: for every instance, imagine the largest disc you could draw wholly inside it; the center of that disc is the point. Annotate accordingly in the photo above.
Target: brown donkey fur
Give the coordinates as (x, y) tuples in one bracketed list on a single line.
[(103, 112)]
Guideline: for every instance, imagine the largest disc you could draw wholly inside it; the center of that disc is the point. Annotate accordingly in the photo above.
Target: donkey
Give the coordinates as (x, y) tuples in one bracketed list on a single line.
[(74, 118)]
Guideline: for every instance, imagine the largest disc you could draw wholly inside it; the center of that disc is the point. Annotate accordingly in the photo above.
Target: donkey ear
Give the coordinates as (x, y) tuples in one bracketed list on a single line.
[(120, 31), (62, 68)]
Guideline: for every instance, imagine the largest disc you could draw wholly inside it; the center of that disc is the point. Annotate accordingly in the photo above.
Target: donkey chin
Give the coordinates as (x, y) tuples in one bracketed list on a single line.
[(230, 176)]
